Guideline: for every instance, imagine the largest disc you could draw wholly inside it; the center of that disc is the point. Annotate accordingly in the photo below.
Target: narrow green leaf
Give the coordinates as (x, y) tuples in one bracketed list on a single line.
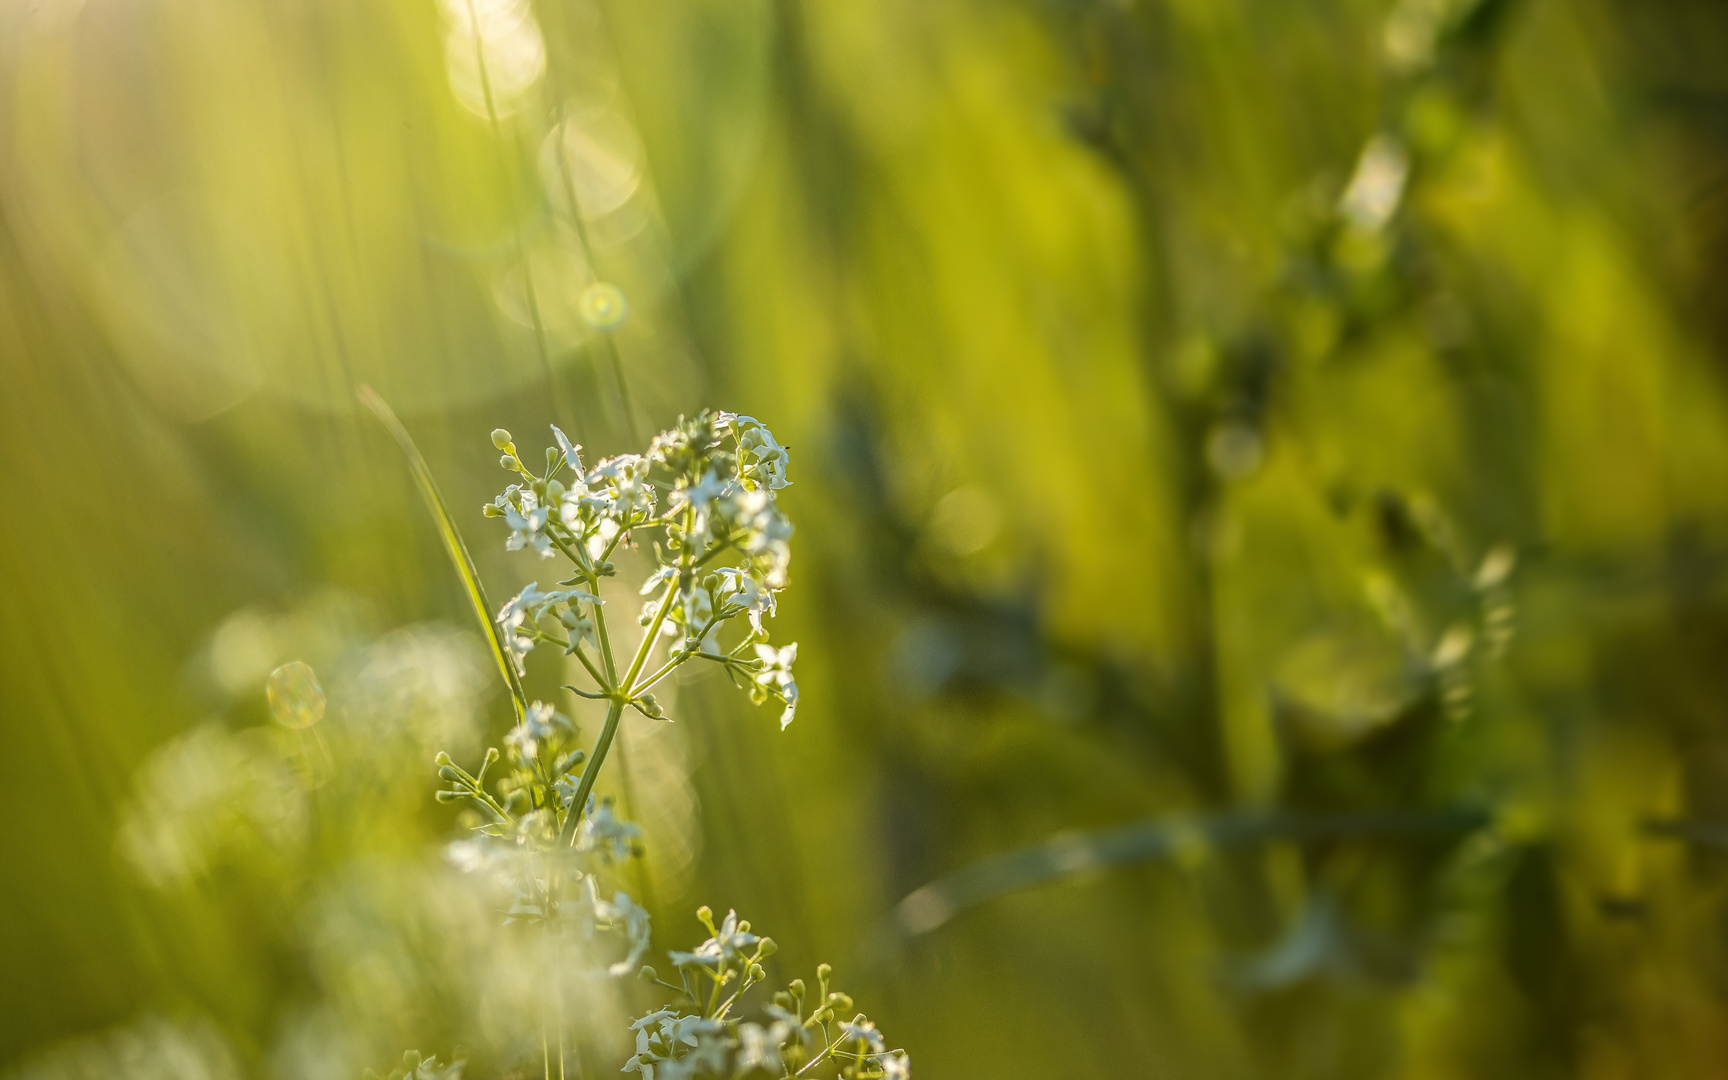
[(453, 544), (927, 908)]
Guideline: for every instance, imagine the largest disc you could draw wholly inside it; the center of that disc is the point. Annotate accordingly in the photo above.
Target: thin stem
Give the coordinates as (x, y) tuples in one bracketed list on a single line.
[(648, 640), (545, 1054), (582, 656), (714, 995), (615, 712), (570, 553), (571, 648), (826, 1053), (606, 661), (623, 531), (665, 669)]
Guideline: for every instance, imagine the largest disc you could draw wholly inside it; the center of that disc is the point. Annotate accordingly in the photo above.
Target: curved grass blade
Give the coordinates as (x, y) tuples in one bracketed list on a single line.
[(927, 908), (453, 544)]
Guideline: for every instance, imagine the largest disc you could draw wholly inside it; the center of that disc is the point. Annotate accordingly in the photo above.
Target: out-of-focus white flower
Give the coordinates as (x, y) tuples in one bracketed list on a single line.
[(538, 726), (860, 1029), (727, 945), (775, 675)]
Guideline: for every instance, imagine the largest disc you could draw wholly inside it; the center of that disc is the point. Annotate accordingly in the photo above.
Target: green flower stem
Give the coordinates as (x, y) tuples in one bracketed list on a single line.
[(570, 553), (611, 679), (665, 669), (826, 1053), (570, 649), (582, 656), (614, 713), (623, 531), (648, 640)]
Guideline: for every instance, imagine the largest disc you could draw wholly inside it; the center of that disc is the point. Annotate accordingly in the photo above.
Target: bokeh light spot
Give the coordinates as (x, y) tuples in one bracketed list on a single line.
[(296, 699), (603, 305)]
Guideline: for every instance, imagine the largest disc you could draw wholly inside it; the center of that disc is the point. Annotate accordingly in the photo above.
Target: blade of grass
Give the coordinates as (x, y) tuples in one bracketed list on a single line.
[(1160, 838), (453, 544)]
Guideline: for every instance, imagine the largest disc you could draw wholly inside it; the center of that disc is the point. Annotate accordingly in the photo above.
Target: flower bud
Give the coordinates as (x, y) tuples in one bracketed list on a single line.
[(491, 510), (491, 754), (443, 760), (757, 974), (501, 438), (506, 462), (648, 974), (705, 914), (797, 989), (841, 1002), (767, 947), (783, 999), (447, 796), (449, 773), (552, 456)]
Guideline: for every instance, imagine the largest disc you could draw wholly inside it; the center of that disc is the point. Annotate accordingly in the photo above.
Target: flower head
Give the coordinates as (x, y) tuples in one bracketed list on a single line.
[(774, 675), (527, 520), (724, 949)]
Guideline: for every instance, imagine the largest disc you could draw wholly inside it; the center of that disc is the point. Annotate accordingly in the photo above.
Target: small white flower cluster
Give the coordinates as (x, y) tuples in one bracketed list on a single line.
[(707, 489), (519, 619), (415, 1067), (517, 841), (697, 1038)]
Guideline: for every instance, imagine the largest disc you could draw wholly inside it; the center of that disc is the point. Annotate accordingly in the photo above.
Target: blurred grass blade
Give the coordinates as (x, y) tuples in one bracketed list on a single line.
[(453, 544), (927, 908)]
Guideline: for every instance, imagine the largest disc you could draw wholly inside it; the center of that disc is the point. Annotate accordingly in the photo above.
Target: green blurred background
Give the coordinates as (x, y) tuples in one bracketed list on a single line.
[(1292, 436)]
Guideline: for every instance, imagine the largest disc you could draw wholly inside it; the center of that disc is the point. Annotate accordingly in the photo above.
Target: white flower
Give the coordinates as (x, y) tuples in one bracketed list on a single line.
[(468, 856), (518, 616), (527, 524), (678, 1046), (765, 534), (624, 478), (739, 589), (513, 617), (756, 441), (605, 832), (724, 948), (759, 1047), (537, 726), (862, 1030), (775, 674), (699, 495), (572, 452), (623, 913), (898, 1067)]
